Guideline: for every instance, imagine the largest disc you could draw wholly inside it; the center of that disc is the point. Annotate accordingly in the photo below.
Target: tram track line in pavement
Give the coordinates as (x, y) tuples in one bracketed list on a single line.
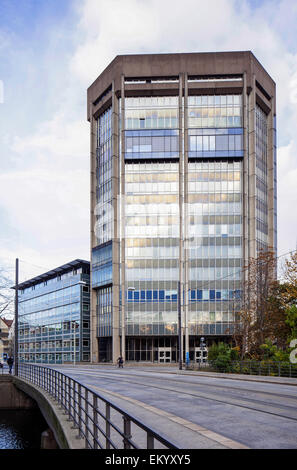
[(219, 438), (206, 397), (225, 387), (199, 384)]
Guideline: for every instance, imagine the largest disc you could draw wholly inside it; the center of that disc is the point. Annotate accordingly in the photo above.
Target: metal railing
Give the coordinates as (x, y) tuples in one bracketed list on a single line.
[(100, 422), (264, 368)]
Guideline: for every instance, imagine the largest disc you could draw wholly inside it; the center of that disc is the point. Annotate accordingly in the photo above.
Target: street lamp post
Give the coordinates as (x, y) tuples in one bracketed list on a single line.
[(179, 328), (202, 344), (74, 342), (16, 319)]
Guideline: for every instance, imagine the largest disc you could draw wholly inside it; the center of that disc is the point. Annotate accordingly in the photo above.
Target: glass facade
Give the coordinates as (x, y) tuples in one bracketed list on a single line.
[(52, 315), (191, 185), (102, 253), (104, 221), (215, 245), (215, 111), (261, 180), (152, 247), (151, 127)]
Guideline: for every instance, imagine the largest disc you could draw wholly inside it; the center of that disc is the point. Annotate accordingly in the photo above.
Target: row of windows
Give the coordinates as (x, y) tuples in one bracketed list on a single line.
[(208, 143), (216, 176), (49, 282), (172, 273), (171, 329), (66, 344), (171, 296), (53, 358), (152, 144), (168, 101), (196, 250), (215, 100), (151, 102)]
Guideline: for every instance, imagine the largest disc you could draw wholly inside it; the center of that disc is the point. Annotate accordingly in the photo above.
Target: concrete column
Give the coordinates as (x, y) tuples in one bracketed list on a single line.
[(116, 228), (245, 176), (186, 219), (123, 245), (93, 299), (271, 182), (252, 170), (48, 440)]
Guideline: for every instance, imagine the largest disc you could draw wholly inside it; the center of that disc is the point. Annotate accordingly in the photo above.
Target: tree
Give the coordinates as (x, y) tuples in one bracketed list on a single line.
[(254, 323), (6, 294)]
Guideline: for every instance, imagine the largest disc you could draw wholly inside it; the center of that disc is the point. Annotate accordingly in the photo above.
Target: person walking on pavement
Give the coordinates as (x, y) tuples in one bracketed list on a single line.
[(10, 363), (121, 362)]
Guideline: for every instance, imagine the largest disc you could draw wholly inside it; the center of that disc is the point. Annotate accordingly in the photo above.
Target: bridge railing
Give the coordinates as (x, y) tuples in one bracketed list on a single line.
[(265, 368), (100, 422)]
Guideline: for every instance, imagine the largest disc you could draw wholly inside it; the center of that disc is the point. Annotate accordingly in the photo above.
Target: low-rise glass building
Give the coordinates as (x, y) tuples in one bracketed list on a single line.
[(54, 315)]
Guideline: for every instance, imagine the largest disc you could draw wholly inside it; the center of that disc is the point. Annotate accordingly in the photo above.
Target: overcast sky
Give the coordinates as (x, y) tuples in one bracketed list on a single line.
[(52, 50)]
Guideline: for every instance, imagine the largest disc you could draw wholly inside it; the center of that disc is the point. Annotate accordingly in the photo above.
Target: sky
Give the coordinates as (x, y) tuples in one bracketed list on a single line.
[(50, 53)]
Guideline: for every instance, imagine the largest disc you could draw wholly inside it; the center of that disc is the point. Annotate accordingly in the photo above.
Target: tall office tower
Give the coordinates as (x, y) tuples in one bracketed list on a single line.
[(183, 193)]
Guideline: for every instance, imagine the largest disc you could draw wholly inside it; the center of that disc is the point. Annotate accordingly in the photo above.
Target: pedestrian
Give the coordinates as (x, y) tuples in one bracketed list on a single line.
[(121, 362), (10, 363)]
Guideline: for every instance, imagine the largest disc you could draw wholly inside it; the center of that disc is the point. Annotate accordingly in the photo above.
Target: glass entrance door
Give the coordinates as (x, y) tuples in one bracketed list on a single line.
[(201, 356), (164, 355)]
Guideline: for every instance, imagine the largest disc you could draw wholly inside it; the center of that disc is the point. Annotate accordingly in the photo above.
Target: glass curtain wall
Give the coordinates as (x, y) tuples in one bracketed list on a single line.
[(215, 212), (151, 220), (50, 317), (152, 216), (261, 180), (102, 254), (215, 245)]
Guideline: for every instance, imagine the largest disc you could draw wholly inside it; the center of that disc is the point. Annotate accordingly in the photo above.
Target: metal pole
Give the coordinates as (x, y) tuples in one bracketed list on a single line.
[(123, 333), (16, 318), (74, 341), (179, 329)]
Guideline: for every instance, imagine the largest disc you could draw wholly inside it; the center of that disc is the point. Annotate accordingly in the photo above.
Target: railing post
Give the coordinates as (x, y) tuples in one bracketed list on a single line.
[(149, 441), (107, 427), (127, 432), (95, 422), (86, 418), (79, 409), (69, 397)]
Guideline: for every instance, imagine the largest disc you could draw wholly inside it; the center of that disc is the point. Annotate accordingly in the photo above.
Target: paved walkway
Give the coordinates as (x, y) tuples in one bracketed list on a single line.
[(200, 409)]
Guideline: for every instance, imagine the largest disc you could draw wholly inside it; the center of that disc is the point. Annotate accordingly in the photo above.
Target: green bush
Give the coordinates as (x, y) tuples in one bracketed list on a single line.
[(221, 356)]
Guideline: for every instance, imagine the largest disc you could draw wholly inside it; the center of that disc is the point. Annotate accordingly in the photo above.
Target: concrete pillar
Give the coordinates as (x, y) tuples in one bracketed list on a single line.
[(93, 297), (48, 440), (123, 256), (116, 227), (271, 181), (185, 286), (252, 170), (245, 176)]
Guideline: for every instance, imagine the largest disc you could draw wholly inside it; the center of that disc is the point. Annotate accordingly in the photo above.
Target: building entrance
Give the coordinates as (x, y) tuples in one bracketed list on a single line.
[(201, 355), (164, 355)]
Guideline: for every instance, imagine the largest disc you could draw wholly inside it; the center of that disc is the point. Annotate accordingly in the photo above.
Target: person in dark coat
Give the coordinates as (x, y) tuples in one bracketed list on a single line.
[(121, 362), (10, 363)]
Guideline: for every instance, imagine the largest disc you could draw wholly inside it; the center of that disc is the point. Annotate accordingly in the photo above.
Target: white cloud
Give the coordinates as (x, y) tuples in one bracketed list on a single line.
[(47, 193)]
